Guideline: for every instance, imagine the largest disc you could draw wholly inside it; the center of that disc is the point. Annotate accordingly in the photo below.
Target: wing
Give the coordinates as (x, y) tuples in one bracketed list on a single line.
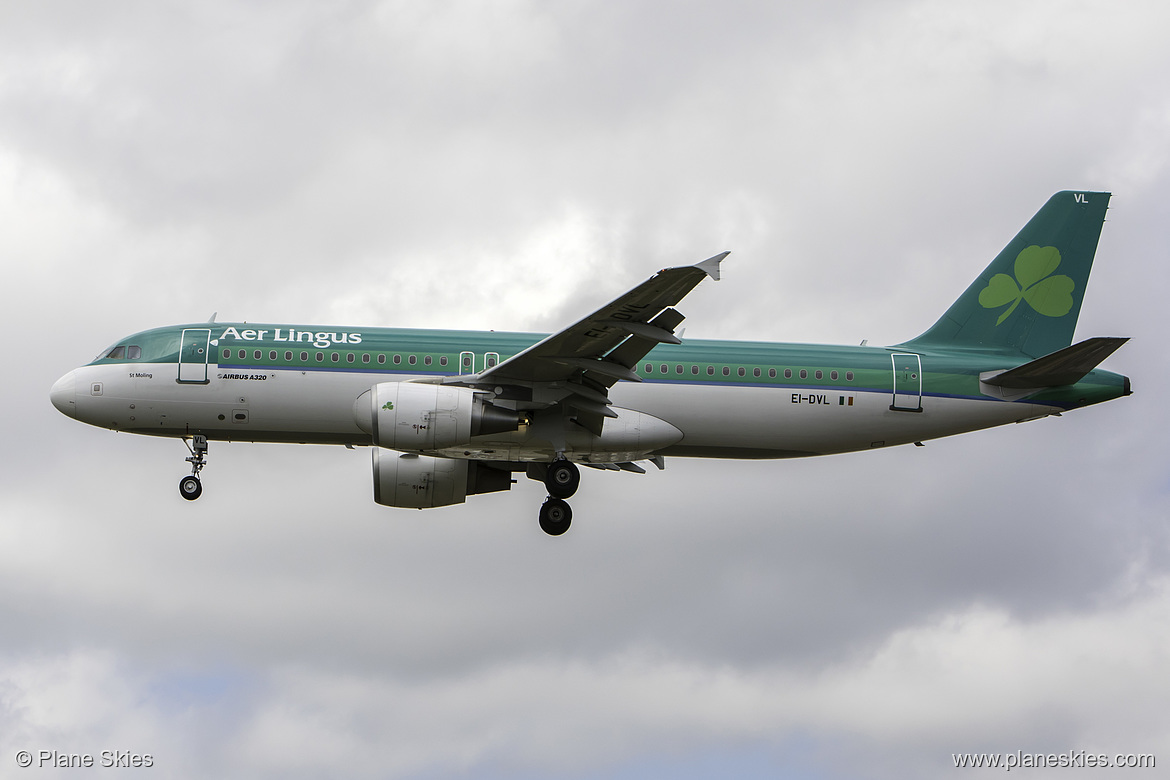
[(576, 366)]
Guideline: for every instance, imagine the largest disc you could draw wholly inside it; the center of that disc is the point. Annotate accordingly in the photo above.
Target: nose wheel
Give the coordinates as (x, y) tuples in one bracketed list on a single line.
[(190, 487)]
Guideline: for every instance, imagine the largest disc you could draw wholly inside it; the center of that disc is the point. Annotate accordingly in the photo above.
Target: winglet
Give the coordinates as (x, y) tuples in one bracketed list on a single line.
[(710, 266)]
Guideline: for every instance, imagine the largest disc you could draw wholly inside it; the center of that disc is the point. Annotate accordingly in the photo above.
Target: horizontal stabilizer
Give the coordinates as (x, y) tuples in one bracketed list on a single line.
[(1064, 367)]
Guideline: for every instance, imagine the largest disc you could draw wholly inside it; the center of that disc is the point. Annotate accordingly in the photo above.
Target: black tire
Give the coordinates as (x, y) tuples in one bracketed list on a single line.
[(562, 479), (190, 488), (555, 516)]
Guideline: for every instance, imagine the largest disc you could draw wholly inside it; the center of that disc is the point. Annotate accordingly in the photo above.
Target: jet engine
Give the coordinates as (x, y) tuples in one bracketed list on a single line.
[(417, 416), (421, 482)]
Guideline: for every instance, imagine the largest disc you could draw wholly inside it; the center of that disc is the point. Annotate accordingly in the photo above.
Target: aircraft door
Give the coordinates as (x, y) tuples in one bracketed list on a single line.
[(193, 353), (907, 383)]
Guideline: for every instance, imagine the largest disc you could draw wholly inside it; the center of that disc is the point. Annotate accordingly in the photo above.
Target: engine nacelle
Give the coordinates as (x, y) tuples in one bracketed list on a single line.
[(422, 482), (418, 416)]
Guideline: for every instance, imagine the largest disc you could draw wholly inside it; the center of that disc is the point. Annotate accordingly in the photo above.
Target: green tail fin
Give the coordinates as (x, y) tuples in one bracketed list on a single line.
[(1029, 298)]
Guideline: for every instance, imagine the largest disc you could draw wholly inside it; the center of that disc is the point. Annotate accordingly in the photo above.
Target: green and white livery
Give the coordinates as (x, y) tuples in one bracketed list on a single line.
[(450, 414)]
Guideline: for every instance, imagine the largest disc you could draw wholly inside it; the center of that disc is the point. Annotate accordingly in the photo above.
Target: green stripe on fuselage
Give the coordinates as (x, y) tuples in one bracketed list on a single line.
[(248, 346)]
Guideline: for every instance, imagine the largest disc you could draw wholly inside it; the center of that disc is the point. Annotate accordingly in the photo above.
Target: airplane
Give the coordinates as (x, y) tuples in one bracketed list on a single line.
[(451, 414)]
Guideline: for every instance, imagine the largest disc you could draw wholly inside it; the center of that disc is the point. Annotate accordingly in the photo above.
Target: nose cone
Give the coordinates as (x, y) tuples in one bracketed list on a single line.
[(64, 394)]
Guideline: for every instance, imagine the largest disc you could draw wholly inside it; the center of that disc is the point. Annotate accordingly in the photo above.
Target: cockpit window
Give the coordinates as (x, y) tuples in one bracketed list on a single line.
[(154, 346), (121, 352)]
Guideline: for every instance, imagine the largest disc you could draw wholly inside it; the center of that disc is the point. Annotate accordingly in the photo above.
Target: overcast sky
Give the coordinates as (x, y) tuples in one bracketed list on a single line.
[(512, 165)]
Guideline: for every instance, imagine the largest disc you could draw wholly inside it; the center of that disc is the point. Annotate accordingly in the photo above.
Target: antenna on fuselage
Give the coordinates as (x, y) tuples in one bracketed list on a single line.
[(212, 317)]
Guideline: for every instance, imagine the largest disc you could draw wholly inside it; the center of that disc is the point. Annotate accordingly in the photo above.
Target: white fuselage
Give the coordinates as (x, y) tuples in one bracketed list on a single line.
[(711, 420)]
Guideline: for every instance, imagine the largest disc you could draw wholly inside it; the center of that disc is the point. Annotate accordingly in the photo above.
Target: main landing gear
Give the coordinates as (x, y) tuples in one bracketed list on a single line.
[(562, 480), (190, 487)]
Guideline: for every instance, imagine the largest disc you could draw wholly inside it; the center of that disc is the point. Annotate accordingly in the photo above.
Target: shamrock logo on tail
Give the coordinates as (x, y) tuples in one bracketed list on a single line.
[(1048, 295)]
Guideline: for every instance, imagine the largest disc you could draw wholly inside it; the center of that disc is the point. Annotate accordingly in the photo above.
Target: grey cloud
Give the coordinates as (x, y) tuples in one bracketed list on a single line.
[(510, 167)]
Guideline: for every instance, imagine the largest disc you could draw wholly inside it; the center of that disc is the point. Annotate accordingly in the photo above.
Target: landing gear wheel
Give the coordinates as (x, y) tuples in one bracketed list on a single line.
[(555, 516), (563, 479), (190, 488)]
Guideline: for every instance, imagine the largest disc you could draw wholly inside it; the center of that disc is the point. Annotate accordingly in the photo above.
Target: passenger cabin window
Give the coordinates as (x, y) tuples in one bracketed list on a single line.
[(803, 374), (710, 370), (227, 353), (366, 358), (412, 360), (771, 373), (442, 360), (334, 357), (304, 356), (755, 372), (649, 369), (727, 371), (427, 360), (243, 354), (678, 369), (833, 375), (849, 376), (381, 358), (819, 374), (695, 370), (288, 355), (788, 373), (257, 354), (665, 369), (272, 355)]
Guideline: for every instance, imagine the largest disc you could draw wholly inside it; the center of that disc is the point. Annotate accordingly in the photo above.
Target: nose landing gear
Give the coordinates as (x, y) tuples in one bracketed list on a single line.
[(190, 487)]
